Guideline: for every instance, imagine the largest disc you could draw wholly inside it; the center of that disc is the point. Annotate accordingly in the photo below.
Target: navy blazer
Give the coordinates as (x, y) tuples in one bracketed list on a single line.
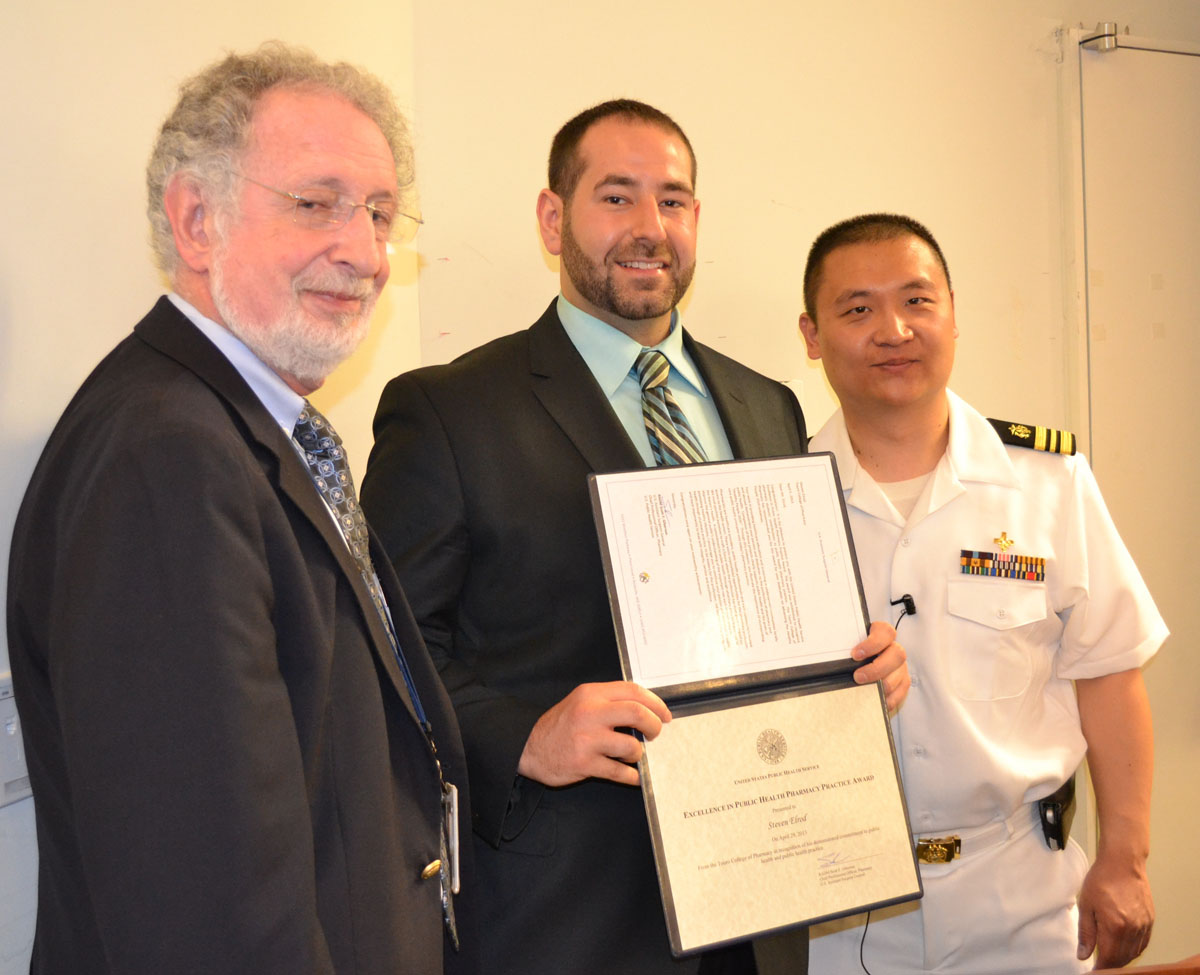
[(477, 484), (227, 771)]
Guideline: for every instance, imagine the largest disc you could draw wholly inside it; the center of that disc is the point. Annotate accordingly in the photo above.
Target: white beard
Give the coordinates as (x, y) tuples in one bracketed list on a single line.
[(297, 344)]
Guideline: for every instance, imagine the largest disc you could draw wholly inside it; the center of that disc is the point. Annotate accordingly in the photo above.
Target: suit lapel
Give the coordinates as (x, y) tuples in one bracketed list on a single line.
[(564, 385), (169, 331), (731, 401), (296, 483)]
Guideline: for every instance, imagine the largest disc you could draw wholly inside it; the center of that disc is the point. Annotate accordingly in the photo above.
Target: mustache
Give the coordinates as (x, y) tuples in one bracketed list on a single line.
[(663, 256), (335, 282)]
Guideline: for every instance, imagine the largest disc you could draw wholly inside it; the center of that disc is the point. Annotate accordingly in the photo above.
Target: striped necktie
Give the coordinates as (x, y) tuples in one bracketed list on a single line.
[(671, 436)]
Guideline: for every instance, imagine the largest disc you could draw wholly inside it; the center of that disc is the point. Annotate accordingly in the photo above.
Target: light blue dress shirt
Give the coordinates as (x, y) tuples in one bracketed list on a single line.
[(285, 406), (282, 402), (610, 355)]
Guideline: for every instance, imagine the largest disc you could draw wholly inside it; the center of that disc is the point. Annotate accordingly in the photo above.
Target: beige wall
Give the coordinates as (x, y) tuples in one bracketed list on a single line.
[(801, 114), (86, 87)]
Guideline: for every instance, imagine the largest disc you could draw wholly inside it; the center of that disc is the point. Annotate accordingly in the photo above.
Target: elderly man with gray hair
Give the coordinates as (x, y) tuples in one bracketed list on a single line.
[(241, 755)]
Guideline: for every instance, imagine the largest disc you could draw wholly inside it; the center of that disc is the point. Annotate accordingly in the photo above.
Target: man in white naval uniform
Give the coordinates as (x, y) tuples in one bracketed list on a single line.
[(1031, 625)]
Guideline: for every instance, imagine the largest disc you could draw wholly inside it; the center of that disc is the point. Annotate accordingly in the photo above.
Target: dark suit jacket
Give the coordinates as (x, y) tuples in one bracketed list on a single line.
[(477, 485), (227, 772)]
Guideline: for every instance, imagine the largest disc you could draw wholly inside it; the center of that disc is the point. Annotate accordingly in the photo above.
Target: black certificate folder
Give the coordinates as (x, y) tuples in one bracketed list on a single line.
[(773, 796)]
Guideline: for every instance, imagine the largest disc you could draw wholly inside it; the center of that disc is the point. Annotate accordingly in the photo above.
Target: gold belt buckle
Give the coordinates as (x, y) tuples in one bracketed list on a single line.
[(941, 849)]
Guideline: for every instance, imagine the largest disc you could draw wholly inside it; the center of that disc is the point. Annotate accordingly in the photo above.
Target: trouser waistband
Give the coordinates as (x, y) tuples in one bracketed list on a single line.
[(967, 842)]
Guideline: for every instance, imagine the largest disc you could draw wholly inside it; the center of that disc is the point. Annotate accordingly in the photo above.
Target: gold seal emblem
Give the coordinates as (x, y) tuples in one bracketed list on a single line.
[(772, 746)]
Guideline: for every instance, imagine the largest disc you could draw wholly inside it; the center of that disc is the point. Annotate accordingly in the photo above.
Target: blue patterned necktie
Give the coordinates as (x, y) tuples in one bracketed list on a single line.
[(330, 472), (671, 436)]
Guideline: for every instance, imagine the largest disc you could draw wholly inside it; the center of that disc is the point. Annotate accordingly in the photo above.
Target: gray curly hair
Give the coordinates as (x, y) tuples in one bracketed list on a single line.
[(209, 127)]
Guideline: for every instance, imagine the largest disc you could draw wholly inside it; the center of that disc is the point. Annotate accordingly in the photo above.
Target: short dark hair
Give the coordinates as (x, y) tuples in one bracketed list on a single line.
[(566, 165), (868, 228)]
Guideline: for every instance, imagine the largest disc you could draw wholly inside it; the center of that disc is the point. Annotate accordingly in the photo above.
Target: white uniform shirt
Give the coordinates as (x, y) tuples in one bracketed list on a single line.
[(991, 721)]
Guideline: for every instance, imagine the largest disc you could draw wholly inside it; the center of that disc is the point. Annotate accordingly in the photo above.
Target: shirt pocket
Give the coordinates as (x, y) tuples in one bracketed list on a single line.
[(991, 654)]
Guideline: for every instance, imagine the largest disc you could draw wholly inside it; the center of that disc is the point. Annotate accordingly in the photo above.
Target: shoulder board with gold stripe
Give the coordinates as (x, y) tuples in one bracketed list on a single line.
[(1038, 438)]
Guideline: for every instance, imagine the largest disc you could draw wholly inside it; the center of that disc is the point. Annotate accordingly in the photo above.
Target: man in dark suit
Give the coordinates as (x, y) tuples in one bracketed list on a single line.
[(478, 486), (232, 758)]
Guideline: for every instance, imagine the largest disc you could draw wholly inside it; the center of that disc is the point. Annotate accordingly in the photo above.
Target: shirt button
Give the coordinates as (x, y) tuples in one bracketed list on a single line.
[(1002, 614), (919, 751), (905, 541), (431, 869)]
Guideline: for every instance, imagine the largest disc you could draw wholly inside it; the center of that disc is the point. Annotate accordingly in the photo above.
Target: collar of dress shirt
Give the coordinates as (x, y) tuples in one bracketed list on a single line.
[(974, 453), (281, 401), (610, 353)]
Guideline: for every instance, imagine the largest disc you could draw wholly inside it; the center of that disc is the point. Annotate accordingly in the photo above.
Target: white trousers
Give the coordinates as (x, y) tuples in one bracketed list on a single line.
[(1009, 908)]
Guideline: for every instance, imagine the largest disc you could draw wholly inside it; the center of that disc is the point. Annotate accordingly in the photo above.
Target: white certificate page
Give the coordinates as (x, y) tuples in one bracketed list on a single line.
[(719, 570), (775, 813)]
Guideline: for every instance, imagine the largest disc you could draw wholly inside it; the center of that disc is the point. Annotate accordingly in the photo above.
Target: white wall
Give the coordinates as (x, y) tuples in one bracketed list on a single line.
[(1143, 297), (801, 114)]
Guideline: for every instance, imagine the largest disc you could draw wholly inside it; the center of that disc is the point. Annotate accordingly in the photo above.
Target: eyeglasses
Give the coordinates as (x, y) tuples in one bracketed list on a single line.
[(322, 209)]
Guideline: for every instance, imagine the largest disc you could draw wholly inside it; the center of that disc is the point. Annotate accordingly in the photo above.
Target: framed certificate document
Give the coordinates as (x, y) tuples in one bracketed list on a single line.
[(773, 796)]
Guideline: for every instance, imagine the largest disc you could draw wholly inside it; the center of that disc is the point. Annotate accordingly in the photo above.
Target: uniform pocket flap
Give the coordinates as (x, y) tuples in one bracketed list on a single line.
[(999, 603)]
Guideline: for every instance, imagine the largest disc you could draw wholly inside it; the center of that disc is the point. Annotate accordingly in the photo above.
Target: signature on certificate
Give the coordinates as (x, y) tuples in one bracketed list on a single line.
[(832, 859)]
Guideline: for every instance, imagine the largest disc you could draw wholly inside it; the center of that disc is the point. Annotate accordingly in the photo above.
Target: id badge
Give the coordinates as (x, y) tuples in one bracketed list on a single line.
[(450, 828)]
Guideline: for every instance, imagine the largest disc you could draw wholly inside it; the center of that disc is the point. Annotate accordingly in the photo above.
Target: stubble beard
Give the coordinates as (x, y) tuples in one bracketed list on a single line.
[(297, 344), (596, 284)]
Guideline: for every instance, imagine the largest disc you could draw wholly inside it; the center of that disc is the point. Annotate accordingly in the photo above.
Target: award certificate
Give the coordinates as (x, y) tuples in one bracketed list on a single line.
[(727, 569), (773, 796), (777, 811)]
